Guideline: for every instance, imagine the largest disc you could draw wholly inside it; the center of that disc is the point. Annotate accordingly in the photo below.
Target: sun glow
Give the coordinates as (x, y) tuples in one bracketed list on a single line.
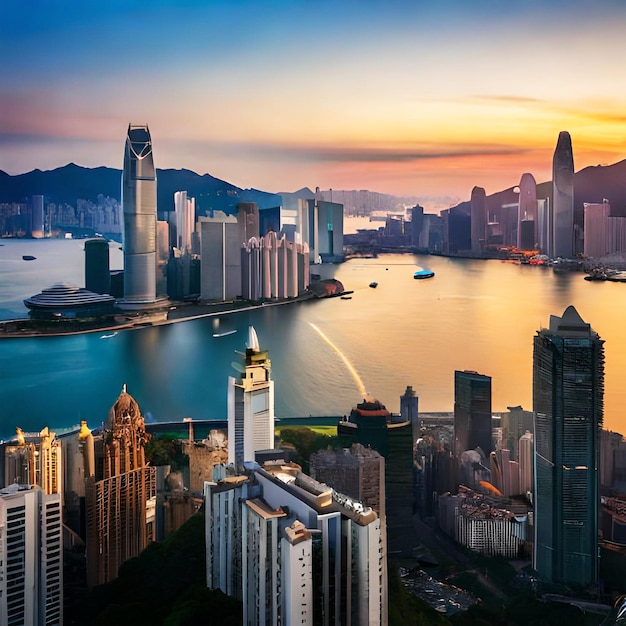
[(355, 375)]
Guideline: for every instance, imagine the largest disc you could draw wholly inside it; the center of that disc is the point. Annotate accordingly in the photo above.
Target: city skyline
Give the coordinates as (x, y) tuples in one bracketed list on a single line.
[(426, 100)]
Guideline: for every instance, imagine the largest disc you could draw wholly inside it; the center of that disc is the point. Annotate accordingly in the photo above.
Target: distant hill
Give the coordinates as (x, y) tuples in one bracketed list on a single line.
[(71, 182)]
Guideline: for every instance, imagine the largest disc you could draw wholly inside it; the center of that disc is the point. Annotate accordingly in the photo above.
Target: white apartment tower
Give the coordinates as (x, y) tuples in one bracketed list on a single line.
[(295, 551), (31, 557), (250, 405)]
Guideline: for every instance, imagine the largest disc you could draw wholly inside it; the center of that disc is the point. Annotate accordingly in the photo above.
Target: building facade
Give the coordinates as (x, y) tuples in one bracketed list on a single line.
[(31, 557), (568, 392), (472, 412), (294, 550), (527, 224), (220, 257), (120, 491)]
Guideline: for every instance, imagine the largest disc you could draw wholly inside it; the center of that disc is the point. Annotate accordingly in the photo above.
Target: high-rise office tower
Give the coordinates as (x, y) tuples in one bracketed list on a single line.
[(247, 222), (269, 266), (139, 206), (545, 228), (472, 412), (598, 228), (325, 230), (525, 458), (568, 393), (527, 224), (97, 268), (372, 425), (37, 217), (251, 405), (478, 217), (220, 251), (31, 567), (563, 197), (185, 209), (409, 409), (120, 491)]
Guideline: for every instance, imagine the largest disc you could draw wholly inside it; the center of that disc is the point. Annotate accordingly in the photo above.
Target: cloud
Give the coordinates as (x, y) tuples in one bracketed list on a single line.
[(351, 154), (508, 99)]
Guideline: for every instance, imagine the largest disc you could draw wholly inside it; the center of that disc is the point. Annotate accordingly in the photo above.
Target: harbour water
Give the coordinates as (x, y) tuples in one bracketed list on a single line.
[(477, 315)]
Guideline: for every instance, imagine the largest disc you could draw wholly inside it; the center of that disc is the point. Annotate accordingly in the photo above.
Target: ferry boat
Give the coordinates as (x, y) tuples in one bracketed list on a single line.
[(423, 273)]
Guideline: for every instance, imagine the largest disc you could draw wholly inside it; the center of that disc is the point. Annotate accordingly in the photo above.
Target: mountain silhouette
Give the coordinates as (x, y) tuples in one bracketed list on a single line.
[(591, 185), (64, 185)]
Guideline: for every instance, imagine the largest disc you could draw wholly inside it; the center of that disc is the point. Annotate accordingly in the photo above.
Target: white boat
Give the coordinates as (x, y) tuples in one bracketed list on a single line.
[(109, 335)]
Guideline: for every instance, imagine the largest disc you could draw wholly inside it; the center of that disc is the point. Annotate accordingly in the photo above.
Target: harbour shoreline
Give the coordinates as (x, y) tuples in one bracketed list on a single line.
[(173, 313)]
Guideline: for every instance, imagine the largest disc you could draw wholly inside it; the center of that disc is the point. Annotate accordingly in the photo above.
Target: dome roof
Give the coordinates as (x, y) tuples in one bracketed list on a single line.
[(67, 295)]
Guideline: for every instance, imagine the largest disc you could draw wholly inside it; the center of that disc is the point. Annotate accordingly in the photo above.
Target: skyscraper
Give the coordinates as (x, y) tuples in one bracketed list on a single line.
[(478, 217), (97, 272), (563, 197), (37, 217), (251, 405), (472, 412), (372, 425), (220, 251), (527, 224), (139, 206), (568, 391), (185, 220)]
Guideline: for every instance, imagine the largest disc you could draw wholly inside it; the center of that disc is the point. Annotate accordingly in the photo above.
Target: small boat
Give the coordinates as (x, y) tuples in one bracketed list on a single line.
[(28, 257), (424, 273), (109, 335), (373, 284), (226, 332)]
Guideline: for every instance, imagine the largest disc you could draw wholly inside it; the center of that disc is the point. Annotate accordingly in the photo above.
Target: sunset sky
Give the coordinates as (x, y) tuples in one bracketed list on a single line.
[(417, 97)]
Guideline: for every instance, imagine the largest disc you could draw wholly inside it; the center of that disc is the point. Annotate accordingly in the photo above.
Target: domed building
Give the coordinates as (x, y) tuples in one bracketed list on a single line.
[(68, 301), (120, 491)]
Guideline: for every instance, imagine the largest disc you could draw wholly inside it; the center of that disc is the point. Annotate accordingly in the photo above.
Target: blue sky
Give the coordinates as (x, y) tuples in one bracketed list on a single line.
[(421, 98)]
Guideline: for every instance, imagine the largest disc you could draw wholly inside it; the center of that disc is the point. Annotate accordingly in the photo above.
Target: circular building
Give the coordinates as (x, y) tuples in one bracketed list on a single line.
[(65, 300)]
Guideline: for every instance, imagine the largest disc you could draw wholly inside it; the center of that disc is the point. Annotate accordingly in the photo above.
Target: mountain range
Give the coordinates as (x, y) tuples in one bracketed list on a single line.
[(71, 182)]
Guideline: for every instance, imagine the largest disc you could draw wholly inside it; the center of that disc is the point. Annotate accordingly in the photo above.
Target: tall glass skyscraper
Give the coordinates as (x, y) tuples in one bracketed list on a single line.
[(139, 206), (563, 197), (472, 412), (568, 394)]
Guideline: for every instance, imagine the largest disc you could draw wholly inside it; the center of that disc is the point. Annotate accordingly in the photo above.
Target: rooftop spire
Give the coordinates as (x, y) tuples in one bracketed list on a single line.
[(253, 340)]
